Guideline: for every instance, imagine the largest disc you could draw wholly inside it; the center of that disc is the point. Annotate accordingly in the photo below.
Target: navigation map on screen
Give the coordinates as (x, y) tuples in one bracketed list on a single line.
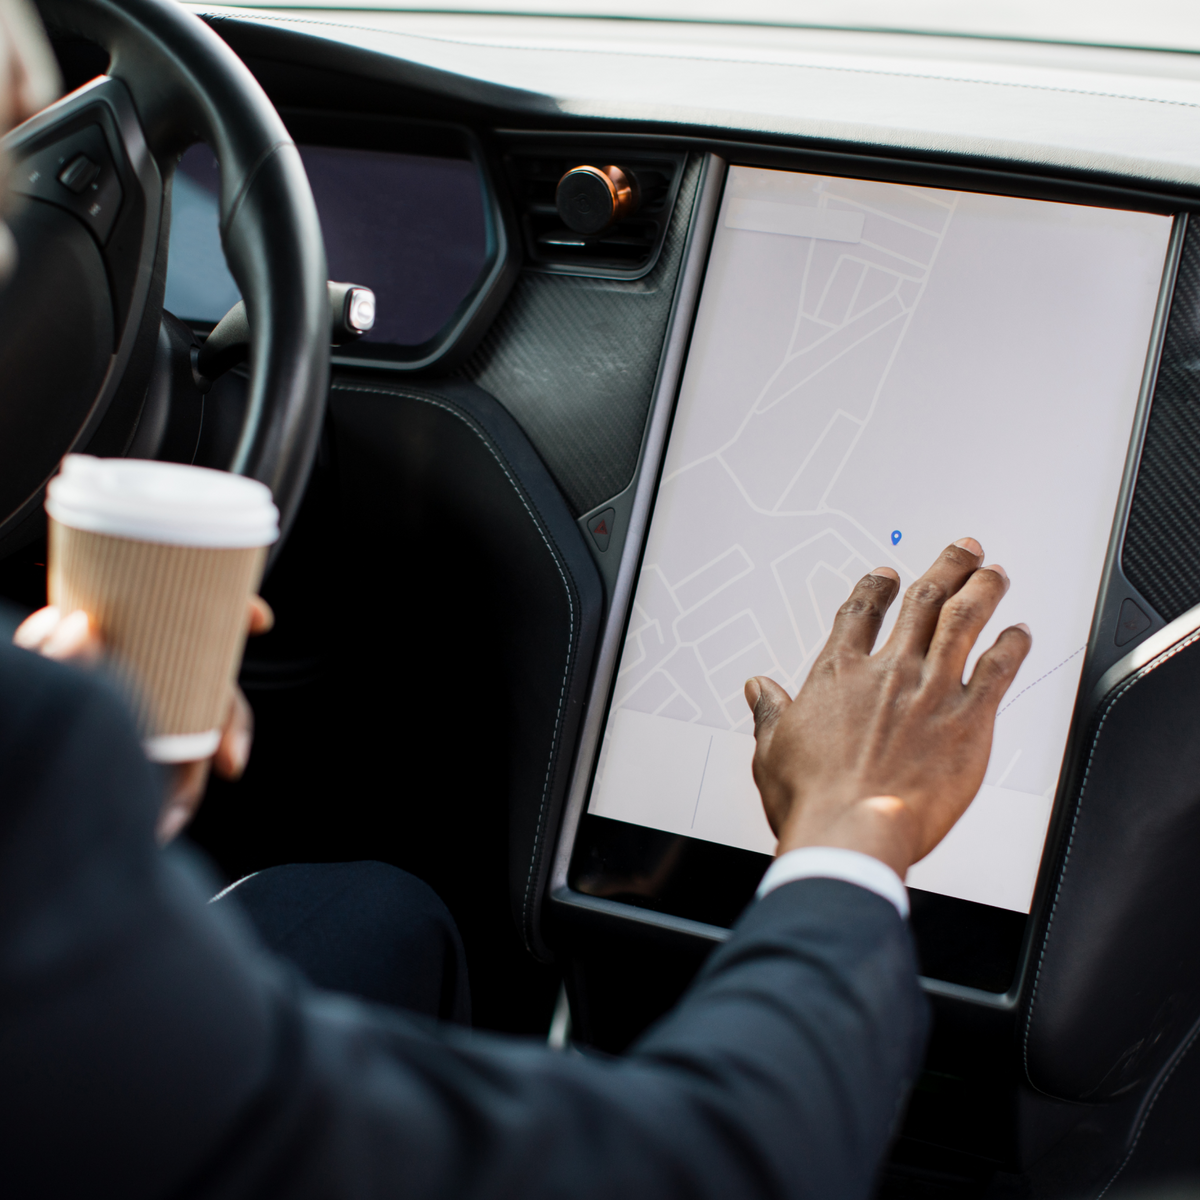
[(877, 370)]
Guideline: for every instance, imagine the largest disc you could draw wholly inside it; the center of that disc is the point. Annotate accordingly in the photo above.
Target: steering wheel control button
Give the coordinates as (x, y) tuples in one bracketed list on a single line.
[(79, 174), (360, 309), (1131, 622), (590, 199), (352, 308), (76, 173), (601, 527)]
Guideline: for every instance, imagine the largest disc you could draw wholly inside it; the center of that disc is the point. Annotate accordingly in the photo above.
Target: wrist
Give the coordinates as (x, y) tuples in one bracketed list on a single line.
[(882, 826)]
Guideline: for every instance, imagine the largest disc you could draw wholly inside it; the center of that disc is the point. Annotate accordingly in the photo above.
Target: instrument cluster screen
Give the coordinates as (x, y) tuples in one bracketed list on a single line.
[(413, 228)]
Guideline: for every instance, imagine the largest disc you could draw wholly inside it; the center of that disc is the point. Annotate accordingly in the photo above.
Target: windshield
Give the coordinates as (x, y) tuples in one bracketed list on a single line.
[(1152, 24)]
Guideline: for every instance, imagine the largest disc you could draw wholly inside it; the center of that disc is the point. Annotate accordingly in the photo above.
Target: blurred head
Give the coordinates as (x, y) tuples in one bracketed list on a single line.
[(28, 82)]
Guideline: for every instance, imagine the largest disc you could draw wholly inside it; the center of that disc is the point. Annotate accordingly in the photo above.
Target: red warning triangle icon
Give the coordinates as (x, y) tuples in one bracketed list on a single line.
[(601, 530)]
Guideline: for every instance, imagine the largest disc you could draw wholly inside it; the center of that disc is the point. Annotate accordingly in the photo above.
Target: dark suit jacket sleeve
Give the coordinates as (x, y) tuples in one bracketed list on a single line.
[(148, 1048)]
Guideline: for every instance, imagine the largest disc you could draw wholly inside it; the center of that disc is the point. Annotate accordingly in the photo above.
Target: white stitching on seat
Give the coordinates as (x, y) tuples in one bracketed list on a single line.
[(226, 890), (1137, 1137), (1129, 683), (537, 524)]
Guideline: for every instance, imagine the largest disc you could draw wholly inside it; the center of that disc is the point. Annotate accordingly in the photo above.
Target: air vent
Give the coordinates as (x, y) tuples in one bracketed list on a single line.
[(627, 249)]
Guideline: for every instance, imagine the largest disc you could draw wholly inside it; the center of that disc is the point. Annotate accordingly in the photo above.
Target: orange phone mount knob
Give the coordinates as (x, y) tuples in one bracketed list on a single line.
[(590, 199)]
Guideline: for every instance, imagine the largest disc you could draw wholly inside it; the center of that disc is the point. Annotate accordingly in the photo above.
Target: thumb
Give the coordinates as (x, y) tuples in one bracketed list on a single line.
[(768, 701)]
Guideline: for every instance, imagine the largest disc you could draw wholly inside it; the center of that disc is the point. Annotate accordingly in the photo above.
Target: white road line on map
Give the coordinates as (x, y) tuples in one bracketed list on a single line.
[(736, 548), (680, 641), (761, 640), (878, 212), (1012, 762), (912, 262), (817, 443), (852, 558), (870, 333), (887, 370), (854, 553), (883, 547), (866, 270), (808, 258), (646, 619), (821, 321), (754, 409), (792, 355), (700, 789), (644, 682), (841, 258), (650, 623), (696, 711), (708, 672), (652, 568), (783, 591), (808, 583)]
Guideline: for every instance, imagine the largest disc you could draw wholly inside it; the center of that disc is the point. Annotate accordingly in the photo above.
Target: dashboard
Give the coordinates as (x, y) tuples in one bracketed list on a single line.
[(878, 291)]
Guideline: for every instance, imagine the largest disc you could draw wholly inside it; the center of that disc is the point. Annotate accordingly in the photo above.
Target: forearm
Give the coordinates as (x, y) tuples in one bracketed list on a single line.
[(780, 1075), (811, 1025)]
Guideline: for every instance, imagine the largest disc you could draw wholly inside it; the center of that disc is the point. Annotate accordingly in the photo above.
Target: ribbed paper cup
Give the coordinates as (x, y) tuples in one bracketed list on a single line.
[(163, 558)]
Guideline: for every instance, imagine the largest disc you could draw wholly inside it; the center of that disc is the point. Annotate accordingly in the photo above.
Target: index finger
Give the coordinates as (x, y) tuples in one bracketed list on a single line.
[(924, 599), (857, 622)]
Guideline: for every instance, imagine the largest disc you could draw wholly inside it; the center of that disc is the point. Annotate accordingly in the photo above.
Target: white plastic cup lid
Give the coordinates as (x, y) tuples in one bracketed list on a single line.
[(162, 502)]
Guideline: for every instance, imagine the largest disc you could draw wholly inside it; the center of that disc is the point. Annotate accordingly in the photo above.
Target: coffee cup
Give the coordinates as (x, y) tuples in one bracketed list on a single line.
[(164, 558)]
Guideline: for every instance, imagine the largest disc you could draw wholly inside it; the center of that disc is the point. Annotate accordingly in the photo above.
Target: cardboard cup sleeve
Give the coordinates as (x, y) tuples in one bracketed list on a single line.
[(163, 558)]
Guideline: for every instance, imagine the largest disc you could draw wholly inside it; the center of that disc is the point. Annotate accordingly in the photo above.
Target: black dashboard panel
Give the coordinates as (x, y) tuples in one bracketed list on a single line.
[(574, 355), (959, 942)]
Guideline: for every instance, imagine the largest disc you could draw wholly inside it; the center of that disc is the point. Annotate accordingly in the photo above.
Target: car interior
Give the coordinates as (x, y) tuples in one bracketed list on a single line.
[(551, 502)]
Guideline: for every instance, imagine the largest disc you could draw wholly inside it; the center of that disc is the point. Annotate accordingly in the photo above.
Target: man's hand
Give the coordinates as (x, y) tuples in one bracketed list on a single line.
[(73, 638), (882, 753)]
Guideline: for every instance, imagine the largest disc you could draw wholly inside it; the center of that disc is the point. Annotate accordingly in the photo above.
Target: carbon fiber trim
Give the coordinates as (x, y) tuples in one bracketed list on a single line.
[(574, 360), (1161, 553)]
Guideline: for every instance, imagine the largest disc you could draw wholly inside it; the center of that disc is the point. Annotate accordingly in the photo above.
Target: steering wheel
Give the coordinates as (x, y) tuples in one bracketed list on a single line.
[(81, 320)]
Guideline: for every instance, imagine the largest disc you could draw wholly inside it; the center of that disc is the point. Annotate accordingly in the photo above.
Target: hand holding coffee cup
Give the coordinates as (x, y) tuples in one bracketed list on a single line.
[(73, 638), (164, 559)]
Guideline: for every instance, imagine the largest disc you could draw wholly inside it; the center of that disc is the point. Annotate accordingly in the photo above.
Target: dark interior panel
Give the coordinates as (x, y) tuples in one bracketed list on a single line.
[(574, 359), (417, 700), (1161, 554), (1127, 904)]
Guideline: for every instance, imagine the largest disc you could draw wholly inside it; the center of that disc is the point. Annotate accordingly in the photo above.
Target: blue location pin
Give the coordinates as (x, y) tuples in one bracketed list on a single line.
[(896, 535)]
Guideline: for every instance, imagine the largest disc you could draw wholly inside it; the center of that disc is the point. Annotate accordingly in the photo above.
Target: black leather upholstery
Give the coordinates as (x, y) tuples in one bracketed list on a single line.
[(434, 474), (1117, 982), (187, 85)]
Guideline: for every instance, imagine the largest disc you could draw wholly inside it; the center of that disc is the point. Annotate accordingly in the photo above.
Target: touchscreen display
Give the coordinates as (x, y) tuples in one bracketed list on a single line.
[(875, 371)]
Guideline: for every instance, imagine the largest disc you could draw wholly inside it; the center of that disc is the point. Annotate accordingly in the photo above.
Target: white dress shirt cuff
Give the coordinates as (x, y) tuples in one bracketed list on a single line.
[(829, 862)]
